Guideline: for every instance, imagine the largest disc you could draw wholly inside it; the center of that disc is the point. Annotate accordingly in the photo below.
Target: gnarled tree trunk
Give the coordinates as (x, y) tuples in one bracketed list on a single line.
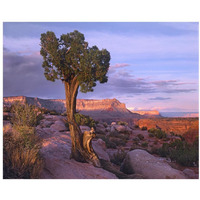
[(80, 152)]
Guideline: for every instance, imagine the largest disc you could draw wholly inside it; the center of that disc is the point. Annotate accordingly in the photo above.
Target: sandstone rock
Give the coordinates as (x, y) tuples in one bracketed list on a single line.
[(108, 129), (190, 174), (46, 123), (100, 128), (59, 126), (120, 128), (70, 169), (56, 151), (99, 147), (112, 129), (141, 162)]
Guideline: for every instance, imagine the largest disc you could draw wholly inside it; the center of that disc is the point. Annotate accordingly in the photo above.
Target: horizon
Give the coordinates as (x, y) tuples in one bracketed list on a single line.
[(154, 65), (110, 99)]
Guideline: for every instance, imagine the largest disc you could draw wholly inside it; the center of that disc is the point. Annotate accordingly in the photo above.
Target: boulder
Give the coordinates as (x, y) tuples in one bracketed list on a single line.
[(59, 126), (99, 147), (100, 128), (120, 128), (70, 169), (141, 162)]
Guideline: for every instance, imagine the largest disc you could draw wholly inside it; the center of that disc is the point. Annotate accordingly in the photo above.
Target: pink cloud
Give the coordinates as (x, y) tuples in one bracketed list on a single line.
[(119, 65)]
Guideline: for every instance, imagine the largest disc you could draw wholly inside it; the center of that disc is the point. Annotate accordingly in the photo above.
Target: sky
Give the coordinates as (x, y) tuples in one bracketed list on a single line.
[(154, 66)]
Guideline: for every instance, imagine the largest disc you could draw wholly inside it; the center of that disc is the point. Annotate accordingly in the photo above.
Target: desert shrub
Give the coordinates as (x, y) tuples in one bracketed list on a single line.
[(164, 150), (110, 144), (140, 136), (155, 142), (181, 152), (144, 128), (136, 139), (123, 136), (118, 141), (25, 115), (21, 158), (151, 135), (184, 153), (136, 126), (122, 123), (157, 133), (145, 144), (6, 109), (85, 120), (118, 157)]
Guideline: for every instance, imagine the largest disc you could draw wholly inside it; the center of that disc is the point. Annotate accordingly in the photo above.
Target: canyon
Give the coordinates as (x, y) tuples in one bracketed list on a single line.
[(109, 110)]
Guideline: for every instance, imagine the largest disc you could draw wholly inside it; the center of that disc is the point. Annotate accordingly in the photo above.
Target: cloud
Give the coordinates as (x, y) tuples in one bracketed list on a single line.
[(119, 65), (23, 45), (24, 75), (159, 98)]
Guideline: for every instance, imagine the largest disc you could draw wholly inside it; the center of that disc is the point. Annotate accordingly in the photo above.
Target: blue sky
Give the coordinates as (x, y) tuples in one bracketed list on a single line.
[(153, 65)]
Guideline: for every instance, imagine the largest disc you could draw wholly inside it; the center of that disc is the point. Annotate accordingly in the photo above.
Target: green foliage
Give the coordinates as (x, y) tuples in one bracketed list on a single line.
[(118, 142), (110, 144), (69, 57), (145, 144), (140, 136), (157, 133), (6, 109), (118, 157), (83, 120), (144, 128), (21, 157), (113, 140), (122, 123), (25, 115), (151, 135), (181, 152)]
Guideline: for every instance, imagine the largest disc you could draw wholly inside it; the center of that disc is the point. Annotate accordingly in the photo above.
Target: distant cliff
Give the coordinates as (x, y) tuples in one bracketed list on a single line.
[(147, 113), (106, 109)]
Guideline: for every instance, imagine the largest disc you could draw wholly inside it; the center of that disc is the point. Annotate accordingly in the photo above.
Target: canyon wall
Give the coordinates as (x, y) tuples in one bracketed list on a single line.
[(105, 109), (147, 113)]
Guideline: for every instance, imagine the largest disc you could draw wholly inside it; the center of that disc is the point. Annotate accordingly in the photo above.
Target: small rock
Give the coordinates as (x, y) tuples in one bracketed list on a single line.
[(59, 126), (190, 174)]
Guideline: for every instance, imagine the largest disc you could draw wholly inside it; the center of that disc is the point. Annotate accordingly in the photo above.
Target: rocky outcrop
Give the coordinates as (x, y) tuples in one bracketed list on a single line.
[(56, 148), (105, 109), (150, 167), (147, 113)]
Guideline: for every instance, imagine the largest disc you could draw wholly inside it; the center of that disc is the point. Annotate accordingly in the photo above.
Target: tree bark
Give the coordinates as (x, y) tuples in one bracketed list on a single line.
[(78, 152)]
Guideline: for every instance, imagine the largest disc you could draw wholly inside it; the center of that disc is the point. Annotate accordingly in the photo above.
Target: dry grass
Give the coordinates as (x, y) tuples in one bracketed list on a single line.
[(21, 157), (21, 145)]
